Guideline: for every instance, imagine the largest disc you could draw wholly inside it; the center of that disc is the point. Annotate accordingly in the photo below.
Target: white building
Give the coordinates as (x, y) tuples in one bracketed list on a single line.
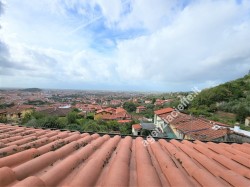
[(247, 121)]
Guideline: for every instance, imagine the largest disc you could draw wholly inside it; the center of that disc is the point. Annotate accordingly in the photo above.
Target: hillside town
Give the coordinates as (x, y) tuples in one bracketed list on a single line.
[(62, 138), (143, 114)]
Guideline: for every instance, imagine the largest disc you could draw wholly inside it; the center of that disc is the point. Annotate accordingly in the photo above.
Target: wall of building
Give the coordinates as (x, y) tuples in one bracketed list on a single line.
[(28, 111), (247, 122), (177, 133), (135, 132), (158, 121), (99, 115)]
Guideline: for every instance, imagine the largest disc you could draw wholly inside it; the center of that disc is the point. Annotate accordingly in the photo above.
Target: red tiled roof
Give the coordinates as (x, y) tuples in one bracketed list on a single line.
[(2, 111), (37, 157), (56, 111), (124, 121), (18, 109), (215, 122), (196, 128), (116, 114), (163, 111), (136, 126), (100, 111), (109, 117), (141, 107), (120, 110), (110, 109)]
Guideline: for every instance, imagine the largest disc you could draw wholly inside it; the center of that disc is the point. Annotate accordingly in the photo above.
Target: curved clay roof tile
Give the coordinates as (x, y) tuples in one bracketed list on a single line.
[(31, 181), (7, 176)]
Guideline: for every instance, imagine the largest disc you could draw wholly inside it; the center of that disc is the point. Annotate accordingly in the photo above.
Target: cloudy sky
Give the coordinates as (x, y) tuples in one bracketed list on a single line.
[(147, 45)]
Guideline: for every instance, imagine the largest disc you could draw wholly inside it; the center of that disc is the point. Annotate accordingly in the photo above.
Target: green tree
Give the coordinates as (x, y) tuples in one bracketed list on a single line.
[(129, 106), (92, 127), (72, 117), (242, 113), (113, 125), (75, 127), (125, 128), (27, 116), (50, 122), (3, 119), (75, 110)]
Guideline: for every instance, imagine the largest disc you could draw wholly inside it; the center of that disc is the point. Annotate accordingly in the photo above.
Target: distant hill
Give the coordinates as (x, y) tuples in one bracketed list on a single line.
[(233, 96), (31, 90)]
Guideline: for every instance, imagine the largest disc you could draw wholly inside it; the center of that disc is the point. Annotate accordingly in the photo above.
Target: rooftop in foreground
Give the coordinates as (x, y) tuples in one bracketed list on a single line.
[(38, 157)]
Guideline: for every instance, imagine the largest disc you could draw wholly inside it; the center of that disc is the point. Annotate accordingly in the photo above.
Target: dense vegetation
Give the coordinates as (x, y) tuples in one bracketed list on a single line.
[(129, 106), (233, 97), (36, 103), (31, 90), (73, 121), (5, 105)]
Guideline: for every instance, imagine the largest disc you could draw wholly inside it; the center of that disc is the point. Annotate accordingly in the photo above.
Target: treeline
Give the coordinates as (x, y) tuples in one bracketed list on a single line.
[(5, 105), (73, 121), (36, 102), (233, 97)]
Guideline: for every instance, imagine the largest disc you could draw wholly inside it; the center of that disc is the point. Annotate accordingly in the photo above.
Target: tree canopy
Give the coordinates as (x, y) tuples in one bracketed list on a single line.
[(233, 97)]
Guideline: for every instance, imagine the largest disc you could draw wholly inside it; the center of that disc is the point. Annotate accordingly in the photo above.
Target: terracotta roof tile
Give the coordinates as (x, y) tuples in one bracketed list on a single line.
[(195, 128), (141, 107), (136, 126), (54, 158), (124, 121), (163, 111)]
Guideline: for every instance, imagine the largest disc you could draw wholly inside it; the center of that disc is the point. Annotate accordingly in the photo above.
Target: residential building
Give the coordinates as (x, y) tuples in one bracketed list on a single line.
[(147, 101), (158, 120), (102, 113), (55, 111), (3, 113), (112, 114), (17, 112), (183, 126), (124, 121), (136, 129), (140, 109), (247, 121)]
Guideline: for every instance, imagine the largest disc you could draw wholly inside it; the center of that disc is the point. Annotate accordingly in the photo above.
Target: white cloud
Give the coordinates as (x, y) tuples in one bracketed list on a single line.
[(150, 15), (205, 42), (195, 47), (111, 10)]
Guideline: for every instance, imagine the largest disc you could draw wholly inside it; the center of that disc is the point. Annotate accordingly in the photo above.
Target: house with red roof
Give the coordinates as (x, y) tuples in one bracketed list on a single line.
[(18, 111), (124, 121), (140, 109), (100, 114), (158, 121), (136, 129), (182, 126), (112, 114)]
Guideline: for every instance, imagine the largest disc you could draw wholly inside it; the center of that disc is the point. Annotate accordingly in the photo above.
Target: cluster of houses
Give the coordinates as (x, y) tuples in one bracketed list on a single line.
[(159, 102), (16, 112), (119, 114), (100, 113), (170, 123)]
